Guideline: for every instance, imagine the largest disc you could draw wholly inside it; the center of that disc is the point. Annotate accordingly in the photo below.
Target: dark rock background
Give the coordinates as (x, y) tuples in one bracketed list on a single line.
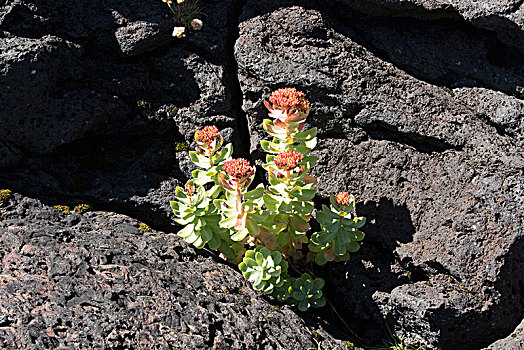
[(420, 112)]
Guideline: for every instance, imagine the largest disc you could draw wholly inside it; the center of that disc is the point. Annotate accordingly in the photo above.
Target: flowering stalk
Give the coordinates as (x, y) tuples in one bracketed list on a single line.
[(340, 232), (289, 196), (240, 209), (207, 155)]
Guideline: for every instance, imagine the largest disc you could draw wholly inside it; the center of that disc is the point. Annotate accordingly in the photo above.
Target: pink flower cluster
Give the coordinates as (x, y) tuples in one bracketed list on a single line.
[(288, 160)]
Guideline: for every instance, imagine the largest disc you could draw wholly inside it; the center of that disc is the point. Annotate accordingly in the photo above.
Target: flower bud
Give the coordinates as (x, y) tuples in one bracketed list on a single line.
[(240, 173), (207, 135), (343, 201), (189, 189), (287, 106)]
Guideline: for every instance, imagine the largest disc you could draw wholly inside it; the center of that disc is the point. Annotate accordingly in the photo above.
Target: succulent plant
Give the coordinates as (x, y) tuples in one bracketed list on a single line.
[(219, 210), (208, 155), (306, 292), (265, 270), (340, 232), (194, 209)]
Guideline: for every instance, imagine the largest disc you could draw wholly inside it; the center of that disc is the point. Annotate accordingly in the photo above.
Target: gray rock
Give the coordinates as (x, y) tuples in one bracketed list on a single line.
[(440, 186), (40, 113), (515, 341), (506, 113), (119, 150), (141, 37), (96, 281), (505, 17)]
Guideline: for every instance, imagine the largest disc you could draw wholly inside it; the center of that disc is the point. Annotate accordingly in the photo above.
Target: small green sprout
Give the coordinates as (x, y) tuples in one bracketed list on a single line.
[(265, 270), (339, 235), (306, 292), (393, 342), (186, 12)]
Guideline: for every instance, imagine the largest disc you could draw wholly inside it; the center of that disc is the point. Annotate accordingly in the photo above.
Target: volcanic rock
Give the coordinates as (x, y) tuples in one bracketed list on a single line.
[(438, 181), (97, 281)]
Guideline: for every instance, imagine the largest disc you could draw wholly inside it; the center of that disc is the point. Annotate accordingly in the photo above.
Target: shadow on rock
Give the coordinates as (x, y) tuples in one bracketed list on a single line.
[(354, 287), (131, 174), (499, 321), (467, 57)]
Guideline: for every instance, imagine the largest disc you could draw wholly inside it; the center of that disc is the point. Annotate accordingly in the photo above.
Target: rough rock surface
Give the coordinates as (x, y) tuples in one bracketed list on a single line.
[(100, 96), (505, 17), (515, 341), (95, 281), (439, 182)]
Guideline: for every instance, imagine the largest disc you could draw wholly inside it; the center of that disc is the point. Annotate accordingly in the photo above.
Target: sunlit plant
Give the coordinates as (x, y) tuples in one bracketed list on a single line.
[(265, 229)]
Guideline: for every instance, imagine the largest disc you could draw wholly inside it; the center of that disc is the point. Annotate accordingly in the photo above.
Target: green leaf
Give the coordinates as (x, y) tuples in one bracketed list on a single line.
[(199, 243), (325, 237), (319, 302), (185, 220), (343, 237), (259, 258), (323, 219), (224, 154), (214, 191), (254, 194), (191, 238), (304, 208), (248, 275), (303, 305), (271, 202), (186, 231), (240, 235), (358, 235), (352, 246), (306, 135), (179, 193), (258, 284), (340, 249), (318, 283), (269, 147), (214, 242), (252, 227), (329, 212), (273, 130), (320, 259), (259, 216), (304, 194), (283, 238), (199, 160), (359, 222), (206, 234), (199, 222), (200, 177), (311, 143), (228, 222)]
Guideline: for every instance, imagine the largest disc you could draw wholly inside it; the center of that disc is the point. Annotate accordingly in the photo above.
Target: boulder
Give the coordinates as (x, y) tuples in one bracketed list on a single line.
[(100, 280), (102, 100), (438, 181), (515, 341), (419, 110), (504, 17)]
